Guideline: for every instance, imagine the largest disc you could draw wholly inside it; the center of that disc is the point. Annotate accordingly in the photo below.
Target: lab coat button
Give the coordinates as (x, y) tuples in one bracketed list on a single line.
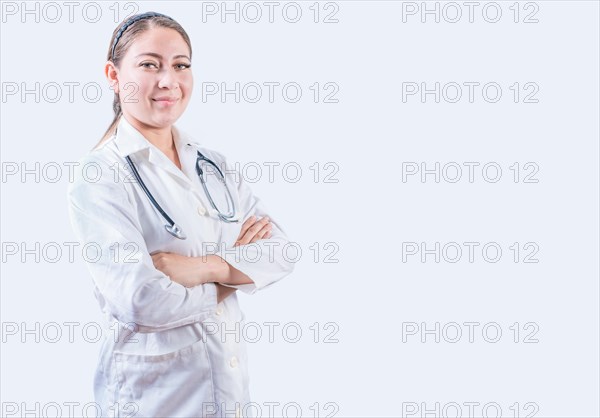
[(201, 210), (233, 362), (219, 310)]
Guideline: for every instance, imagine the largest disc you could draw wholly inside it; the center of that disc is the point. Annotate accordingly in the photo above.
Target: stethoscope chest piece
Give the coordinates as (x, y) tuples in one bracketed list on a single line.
[(175, 231)]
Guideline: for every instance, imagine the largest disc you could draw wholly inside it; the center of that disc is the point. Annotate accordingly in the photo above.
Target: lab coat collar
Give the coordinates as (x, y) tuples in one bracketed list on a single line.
[(130, 141)]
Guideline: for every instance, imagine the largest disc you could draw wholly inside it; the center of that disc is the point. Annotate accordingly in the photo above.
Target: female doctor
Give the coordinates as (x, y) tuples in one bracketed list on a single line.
[(174, 238)]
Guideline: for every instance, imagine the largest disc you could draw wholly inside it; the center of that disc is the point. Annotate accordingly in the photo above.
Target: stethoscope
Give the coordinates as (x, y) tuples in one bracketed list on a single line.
[(171, 227)]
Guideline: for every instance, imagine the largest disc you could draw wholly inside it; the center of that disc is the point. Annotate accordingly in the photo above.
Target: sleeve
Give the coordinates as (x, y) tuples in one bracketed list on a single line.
[(104, 218), (266, 260)]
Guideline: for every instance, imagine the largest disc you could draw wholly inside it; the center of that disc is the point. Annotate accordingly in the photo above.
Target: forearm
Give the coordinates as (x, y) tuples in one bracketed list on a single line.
[(213, 269), (217, 270)]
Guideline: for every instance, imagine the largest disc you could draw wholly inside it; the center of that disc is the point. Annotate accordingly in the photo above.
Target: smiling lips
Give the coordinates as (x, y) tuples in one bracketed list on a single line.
[(167, 101)]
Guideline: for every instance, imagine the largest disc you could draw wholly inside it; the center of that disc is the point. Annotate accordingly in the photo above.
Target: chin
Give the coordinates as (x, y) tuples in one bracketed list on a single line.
[(166, 120)]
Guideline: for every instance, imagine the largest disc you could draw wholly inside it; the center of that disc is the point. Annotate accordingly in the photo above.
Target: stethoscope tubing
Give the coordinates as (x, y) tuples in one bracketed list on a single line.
[(225, 218), (145, 189), (173, 228)]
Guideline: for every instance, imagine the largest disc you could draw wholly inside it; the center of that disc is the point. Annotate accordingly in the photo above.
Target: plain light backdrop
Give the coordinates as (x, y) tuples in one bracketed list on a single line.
[(364, 289)]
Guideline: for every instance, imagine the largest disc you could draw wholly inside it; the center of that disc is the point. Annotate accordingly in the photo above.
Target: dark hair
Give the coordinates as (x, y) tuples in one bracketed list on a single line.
[(127, 36)]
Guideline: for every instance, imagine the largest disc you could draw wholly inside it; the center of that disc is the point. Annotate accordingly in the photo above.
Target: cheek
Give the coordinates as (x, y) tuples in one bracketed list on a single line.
[(134, 90), (144, 93), (143, 89), (187, 83)]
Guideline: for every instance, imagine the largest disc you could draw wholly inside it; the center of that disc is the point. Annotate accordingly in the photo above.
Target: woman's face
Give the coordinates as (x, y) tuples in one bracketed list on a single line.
[(155, 79)]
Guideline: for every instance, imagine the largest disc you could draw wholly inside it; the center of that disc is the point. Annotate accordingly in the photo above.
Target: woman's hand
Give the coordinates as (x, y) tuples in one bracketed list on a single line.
[(190, 271), (253, 230)]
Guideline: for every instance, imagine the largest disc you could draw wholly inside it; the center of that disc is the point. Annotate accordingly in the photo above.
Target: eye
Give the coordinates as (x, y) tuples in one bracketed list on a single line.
[(148, 65), (182, 66)]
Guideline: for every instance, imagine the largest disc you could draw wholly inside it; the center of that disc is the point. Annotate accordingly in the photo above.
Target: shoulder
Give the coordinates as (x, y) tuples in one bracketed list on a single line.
[(97, 171)]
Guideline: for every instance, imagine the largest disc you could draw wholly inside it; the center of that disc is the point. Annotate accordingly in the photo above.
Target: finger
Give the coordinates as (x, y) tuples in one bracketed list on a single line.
[(251, 232), (159, 253), (252, 236), (263, 232), (247, 224)]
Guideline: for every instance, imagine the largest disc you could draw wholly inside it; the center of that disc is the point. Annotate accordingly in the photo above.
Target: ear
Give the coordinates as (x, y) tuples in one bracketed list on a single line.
[(112, 75)]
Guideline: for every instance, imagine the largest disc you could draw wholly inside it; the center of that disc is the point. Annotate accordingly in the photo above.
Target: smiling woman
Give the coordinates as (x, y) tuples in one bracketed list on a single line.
[(152, 280), (153, 74)]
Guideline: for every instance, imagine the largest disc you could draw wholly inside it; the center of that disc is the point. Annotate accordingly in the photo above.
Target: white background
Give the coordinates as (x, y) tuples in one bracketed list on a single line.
[(370, 134)]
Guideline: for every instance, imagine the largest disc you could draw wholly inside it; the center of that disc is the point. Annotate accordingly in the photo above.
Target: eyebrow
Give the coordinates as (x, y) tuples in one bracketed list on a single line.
[(154, 54)]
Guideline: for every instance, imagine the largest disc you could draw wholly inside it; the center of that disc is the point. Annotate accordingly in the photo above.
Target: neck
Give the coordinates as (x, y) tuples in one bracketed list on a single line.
[(161, 138)]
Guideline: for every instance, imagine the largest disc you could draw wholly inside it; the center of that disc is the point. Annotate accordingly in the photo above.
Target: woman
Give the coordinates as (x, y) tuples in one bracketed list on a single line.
[(162, 246)]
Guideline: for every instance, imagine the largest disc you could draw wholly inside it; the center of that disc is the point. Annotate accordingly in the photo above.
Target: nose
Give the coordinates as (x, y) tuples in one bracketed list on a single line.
[(168, 79)]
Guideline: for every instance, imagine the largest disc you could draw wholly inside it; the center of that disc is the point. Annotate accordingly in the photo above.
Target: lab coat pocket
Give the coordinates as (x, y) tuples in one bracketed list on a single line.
[(178, 381)]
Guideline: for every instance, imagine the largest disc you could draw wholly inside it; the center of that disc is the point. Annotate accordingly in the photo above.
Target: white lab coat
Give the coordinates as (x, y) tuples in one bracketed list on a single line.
[(179, 360)]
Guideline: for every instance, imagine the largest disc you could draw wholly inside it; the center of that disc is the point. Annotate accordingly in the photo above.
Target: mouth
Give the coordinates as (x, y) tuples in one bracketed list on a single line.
[(166, 100)]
